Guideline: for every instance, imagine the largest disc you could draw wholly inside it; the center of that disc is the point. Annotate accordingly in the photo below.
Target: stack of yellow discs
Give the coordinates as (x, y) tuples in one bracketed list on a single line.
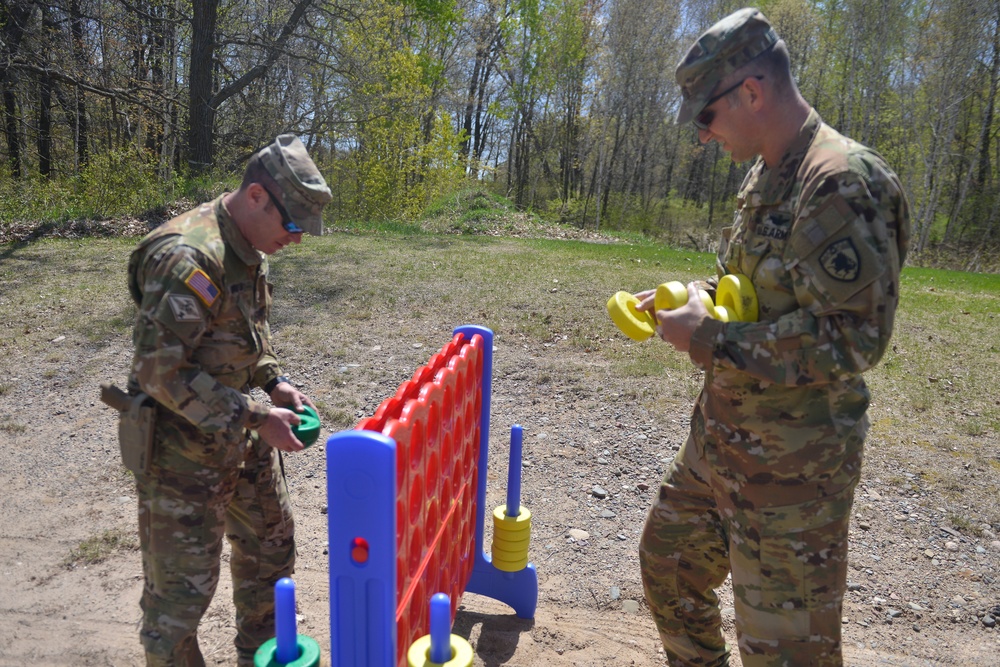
[(510, 539)]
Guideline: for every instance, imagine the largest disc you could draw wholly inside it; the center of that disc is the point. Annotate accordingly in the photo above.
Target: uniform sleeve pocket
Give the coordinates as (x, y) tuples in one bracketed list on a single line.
[(836, 252)]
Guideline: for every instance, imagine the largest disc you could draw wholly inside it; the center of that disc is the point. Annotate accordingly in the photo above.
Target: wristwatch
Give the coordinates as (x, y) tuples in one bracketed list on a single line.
[(269, 387)]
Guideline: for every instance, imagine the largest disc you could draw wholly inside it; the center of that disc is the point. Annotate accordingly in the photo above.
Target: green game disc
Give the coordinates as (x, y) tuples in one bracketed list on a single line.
[(308, 430)]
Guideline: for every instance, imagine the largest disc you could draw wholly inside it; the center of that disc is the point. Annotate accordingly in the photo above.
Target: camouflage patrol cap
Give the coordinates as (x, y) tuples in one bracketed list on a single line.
[(721, 50), (305, 191)]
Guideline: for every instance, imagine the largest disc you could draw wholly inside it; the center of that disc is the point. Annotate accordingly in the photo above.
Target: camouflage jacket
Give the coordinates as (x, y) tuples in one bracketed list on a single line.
[(822, 236), (201, 335)]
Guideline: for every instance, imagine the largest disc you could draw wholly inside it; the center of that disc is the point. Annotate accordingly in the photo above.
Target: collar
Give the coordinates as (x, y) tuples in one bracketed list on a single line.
[(233, 237), (774, 184)]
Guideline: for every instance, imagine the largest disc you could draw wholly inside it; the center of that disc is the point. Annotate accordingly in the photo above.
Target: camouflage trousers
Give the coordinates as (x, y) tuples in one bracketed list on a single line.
[(783, 540), (182, 519)]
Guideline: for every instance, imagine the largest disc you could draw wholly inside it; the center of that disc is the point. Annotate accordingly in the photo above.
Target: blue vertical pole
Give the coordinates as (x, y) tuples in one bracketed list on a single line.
[(440, 629), (514, 472), (470, 330), (285, 634)]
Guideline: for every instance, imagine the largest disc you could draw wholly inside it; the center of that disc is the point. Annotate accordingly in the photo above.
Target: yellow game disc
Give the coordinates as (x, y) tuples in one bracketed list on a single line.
[(721, 313), (670, 295), (634, 324), (511, 541), (511, 529), (510, 538), (419, 654), (706, 299), (500, 517), (497, 550), (508, 565), (737, 294)]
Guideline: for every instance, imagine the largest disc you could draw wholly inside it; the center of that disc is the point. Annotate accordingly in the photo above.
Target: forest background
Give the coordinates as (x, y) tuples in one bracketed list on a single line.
[(124, 107)]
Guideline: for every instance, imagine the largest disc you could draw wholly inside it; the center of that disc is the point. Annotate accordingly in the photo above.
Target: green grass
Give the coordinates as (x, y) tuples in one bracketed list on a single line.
[(98, 548), (946, 350)]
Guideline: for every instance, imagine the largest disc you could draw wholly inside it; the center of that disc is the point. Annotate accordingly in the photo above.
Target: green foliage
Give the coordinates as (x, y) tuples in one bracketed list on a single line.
[(405, 151), (672, 220), (113, 184), (116, 182), (377, 227), (469, 211), (441, 12)]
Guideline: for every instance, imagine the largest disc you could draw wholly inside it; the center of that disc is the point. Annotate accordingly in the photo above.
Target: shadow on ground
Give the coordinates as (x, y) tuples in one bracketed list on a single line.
[(495, 635)]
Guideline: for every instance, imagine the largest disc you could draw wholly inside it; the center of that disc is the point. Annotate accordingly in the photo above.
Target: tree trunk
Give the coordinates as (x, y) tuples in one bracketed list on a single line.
[(13, 18), (203, 101), (44, 137), (201, 83), (470, 106), (10, 127), (80, 128)]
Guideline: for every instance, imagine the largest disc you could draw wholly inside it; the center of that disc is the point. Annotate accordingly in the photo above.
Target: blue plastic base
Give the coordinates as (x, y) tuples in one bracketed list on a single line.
[(517, 589)]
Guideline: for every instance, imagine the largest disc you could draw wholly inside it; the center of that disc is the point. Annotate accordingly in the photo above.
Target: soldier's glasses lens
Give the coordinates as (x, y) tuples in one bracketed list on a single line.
[(705, 118), (286, 220)]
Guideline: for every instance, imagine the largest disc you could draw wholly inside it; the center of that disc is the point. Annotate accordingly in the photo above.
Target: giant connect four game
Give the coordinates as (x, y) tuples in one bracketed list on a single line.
[(406, 492)]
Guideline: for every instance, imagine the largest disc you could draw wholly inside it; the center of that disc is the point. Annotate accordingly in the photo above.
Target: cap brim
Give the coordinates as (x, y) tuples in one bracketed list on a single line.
[(312, 224), (690, 108), (307, 220), (684, 114)]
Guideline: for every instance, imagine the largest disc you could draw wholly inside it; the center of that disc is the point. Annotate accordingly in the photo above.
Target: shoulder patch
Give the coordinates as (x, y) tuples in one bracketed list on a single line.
[(202, 285), (184, 307), (841, 260)]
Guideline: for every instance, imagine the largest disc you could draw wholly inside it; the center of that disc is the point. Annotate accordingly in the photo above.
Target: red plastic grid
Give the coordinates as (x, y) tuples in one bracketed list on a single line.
[(434, 419)]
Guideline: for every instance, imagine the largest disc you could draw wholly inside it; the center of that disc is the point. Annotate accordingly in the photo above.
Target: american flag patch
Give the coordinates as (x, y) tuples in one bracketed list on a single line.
[(203, 286)]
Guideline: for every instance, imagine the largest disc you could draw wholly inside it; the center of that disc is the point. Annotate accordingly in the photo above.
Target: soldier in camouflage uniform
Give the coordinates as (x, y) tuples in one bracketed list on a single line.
[(202, 340), (763, 486)]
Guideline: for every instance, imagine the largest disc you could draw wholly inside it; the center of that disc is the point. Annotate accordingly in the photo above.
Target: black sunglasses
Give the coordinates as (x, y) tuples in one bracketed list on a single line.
[(705, 118), (286, 220)]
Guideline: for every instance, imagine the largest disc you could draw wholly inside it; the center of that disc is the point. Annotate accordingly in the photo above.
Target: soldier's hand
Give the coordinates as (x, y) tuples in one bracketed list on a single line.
[(277, 430), (645, 299), (287, 396), (677, 326)]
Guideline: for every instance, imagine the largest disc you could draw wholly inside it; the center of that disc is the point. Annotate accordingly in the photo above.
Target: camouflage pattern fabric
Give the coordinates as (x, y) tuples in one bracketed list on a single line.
[(182, 520), (306, 192), (764, 485), (202, 334), (721, 50), (201, 342)]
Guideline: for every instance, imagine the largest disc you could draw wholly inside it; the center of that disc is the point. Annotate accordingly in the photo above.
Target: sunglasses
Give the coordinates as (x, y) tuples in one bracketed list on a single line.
[(705, 118), (286, 220)]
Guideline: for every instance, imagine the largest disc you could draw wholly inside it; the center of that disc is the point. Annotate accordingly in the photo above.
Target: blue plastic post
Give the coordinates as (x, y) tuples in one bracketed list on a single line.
[(440, 629), (517, 589), (469, 331), (361, 482), (514, 472), (285, 634)]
